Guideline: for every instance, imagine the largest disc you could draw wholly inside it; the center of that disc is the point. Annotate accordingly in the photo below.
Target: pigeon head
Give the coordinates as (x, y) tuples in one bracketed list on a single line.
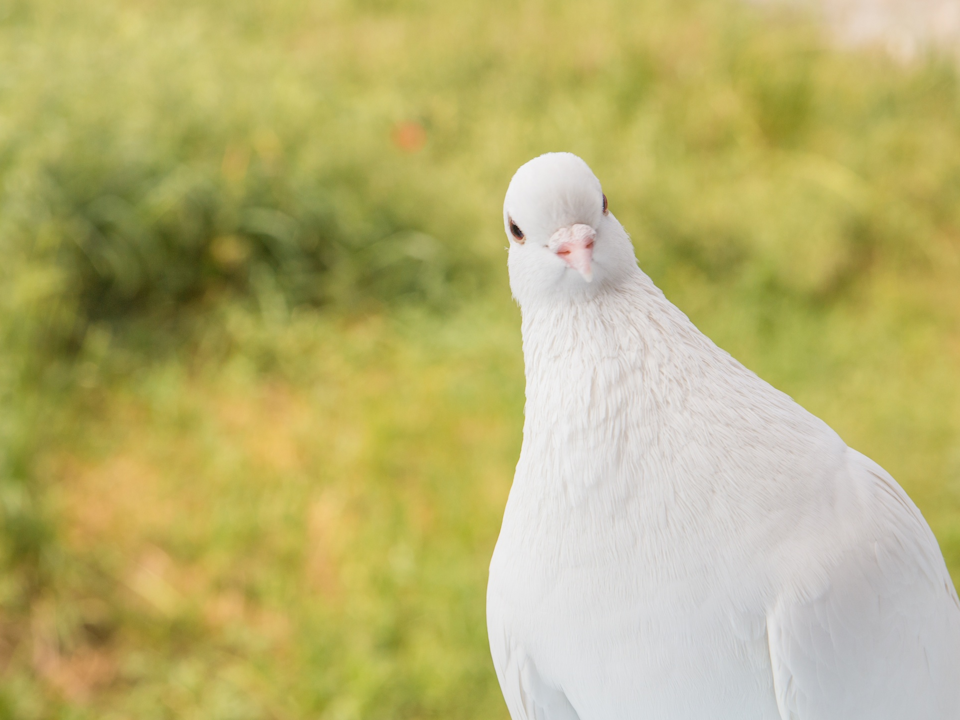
[(563, 239)]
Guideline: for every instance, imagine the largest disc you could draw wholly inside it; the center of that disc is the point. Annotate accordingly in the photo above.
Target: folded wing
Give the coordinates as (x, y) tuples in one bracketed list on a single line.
[(882, 640)]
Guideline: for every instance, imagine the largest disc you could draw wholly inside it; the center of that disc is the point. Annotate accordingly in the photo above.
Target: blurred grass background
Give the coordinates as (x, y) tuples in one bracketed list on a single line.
[(260, 376)]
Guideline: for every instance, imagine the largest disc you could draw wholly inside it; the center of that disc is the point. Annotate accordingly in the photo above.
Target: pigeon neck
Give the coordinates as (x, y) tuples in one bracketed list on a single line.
[(604, 377), (587, 359)]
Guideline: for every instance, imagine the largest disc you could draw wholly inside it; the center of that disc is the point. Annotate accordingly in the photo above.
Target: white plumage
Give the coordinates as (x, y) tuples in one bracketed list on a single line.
[(682, 541)]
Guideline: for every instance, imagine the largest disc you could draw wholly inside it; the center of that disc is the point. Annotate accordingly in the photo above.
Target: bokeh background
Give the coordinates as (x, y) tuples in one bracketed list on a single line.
[(260, 376)]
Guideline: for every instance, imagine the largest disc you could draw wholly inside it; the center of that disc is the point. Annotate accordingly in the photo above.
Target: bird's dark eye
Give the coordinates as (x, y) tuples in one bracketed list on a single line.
[(605, 210), (516, 231)]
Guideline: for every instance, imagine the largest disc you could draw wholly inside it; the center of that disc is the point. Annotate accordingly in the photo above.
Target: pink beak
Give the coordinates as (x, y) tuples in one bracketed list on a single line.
[(574, 245)]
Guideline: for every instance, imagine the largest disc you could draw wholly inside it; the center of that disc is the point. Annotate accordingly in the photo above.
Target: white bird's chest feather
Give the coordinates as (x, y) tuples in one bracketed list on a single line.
[(642, 435), (648, 483)]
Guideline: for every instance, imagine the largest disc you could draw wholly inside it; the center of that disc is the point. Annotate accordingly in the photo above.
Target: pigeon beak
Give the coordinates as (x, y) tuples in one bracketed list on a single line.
[(574, 245)]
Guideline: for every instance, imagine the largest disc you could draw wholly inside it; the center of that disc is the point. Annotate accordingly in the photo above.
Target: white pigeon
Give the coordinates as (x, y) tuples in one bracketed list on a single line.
[(682, 541)]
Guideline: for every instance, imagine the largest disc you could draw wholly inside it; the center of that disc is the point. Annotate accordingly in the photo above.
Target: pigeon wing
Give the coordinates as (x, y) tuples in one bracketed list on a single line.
[(882, 639)]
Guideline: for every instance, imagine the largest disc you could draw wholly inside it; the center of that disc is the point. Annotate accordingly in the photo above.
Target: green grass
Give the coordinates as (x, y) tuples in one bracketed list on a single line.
[(297, 521), (260, 374)]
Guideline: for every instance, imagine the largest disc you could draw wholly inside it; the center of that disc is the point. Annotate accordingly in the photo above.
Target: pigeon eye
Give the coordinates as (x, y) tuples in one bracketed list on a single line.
[(516, 231), (605, 209)]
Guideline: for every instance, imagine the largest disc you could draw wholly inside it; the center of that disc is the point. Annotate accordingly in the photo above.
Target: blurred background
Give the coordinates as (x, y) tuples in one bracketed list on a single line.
[(261, 385)]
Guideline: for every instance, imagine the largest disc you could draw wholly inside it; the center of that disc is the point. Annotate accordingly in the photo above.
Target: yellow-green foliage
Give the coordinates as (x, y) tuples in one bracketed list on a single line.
[(260, 376)]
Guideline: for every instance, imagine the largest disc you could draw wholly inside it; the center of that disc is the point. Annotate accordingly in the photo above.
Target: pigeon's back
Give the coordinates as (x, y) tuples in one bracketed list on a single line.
[(682, 541)]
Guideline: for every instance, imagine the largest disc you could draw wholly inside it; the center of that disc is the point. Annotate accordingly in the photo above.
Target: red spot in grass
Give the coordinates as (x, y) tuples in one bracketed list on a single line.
[(409, 136)]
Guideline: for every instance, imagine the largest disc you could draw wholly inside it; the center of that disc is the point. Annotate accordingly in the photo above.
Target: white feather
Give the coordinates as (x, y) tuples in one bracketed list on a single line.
[(682, 541)]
